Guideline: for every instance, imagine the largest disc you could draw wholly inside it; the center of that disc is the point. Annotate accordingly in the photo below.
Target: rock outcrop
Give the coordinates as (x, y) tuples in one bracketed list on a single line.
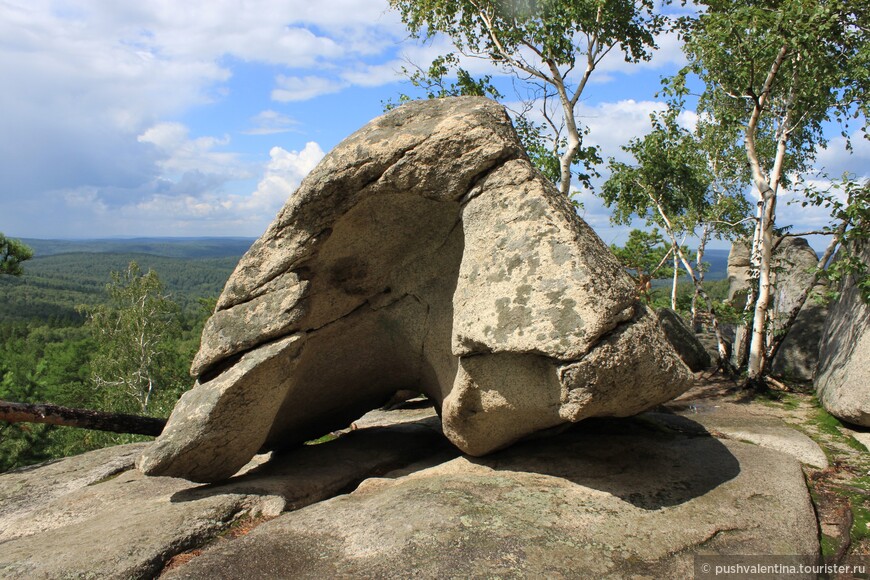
[(731, 421), (794, 262), (690, 350), (424, 253), (62, 520), (799, 353), (843, 375), (739, 279), (629, 497), (609, 499)]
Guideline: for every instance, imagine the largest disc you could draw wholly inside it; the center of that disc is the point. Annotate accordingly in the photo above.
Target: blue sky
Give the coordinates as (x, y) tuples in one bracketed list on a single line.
[(195, 118)]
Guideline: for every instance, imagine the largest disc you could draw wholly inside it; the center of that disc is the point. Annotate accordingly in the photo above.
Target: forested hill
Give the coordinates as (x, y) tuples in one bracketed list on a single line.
[(49, 355), (166, 247), (66, 274)]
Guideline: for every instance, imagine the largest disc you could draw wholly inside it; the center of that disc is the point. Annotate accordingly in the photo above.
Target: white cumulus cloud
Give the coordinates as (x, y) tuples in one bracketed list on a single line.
[(285, 171), (270, 122), (181, 154), (291, 88)]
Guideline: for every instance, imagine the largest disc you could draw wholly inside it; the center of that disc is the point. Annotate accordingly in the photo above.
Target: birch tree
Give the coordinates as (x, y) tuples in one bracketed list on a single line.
[(724, 216), (132, 331), (774, 73), (670, 185), (551, 47)]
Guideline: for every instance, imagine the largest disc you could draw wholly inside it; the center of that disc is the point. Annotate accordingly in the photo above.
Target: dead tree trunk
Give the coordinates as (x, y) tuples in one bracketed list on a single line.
[(82, 418)]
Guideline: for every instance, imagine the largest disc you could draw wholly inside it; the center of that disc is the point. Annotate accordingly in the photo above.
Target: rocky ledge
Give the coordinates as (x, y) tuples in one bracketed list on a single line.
[(390, 497)]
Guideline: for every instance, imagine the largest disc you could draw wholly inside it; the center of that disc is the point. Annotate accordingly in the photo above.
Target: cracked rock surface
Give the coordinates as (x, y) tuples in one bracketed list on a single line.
[(633, 497), (423, 253)]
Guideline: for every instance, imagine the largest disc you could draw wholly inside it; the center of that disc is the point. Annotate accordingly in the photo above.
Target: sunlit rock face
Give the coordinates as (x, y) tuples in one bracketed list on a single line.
[(843, 376), (425, 253)]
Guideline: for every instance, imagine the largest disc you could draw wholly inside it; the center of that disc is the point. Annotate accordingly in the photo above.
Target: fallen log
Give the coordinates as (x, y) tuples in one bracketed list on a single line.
[(82, 418)]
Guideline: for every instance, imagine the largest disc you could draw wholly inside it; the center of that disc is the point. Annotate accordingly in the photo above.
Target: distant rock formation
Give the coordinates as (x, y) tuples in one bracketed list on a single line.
[(799, 354), (689, 348), (843, 376), (425, 253), (794, 261), (739, 280)]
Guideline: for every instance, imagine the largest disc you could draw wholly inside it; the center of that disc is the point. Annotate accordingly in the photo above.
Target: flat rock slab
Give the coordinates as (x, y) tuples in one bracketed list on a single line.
[(409, 412), (862, 437), (737, 423), (615, 498), (24, 491), (129, 526)]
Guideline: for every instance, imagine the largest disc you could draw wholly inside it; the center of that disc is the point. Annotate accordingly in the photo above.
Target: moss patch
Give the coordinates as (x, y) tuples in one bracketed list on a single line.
[(779, 399), (325, 439), (861, 519), (830, 546), (772, 398), (830, 425)]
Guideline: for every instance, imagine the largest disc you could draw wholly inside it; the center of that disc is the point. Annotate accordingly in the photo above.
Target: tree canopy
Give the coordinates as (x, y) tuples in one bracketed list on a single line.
[(550, 46), (12, 253), (644, 255), (675, 184), (132, 334), (667, 185)]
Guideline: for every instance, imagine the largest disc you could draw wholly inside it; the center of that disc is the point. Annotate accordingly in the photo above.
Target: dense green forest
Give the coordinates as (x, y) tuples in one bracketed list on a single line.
[(166, 247), (53, 287), (52, 349)]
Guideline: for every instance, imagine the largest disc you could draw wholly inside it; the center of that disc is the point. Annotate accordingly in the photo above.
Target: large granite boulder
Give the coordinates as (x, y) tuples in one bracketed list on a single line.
[(843, 375), (793, 265), (426, 253), (799, 353), (798, 356), (794, 262)]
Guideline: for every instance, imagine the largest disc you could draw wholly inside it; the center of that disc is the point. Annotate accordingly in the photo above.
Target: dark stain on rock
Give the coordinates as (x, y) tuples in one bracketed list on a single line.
[(566, 320), (349, 274)]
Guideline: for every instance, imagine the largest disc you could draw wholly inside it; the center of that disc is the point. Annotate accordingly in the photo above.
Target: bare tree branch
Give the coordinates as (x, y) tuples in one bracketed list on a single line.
[(82, 418)]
